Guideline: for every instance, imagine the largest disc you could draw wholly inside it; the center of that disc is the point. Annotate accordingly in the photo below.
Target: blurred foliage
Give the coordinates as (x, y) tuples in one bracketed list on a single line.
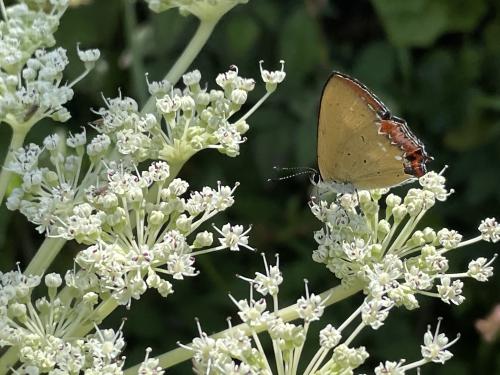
[(435, 63)]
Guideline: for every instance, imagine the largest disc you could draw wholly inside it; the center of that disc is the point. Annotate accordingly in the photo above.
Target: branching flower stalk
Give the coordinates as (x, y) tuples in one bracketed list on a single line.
[(209, 13), (30, 76), (116, 191), (391, 261), (238, 350), (91, 190)]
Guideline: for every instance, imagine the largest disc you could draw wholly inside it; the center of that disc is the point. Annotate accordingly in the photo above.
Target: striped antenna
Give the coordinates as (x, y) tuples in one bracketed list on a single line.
[(295, 171)]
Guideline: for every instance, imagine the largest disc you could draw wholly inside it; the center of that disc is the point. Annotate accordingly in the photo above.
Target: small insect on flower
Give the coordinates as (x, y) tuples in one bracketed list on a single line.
[(30, 112)]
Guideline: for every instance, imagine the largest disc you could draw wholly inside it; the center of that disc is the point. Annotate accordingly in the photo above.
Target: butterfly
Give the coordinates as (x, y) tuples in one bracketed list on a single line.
[(361, 145)]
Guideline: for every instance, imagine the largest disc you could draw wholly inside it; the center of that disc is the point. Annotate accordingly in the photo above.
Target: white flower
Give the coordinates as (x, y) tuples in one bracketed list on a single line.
[(329, 337), (435, 183), (239, 96), (451, 292), (192, 78), (272, 79), (233, 237), (251, 312), (435, 345), (88, 57), (107, 343), (159, 171), (51, 142), (98, 146), (77, 140), (449, 239), (168, 105), (53, 280), (375, 310), (390, 368), (310, 307), (480, 269), (270, 282), (149, 366), (490, 230), (181, 265)]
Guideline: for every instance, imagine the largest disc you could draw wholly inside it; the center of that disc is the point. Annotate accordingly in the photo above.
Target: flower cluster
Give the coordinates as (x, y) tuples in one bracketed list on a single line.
[(30, 76), (137, 238), (43, 330), (26, 27), (386, 255), (240, 350), (135, 222), (203, 9), (186, 122)]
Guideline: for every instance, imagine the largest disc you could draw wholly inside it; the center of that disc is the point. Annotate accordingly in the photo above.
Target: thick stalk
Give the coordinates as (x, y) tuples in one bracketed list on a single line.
[(102, 311), (8, 359), (17, 140), (205, 28), (137, 67), (176, 356), (199, 39), (45, 256)]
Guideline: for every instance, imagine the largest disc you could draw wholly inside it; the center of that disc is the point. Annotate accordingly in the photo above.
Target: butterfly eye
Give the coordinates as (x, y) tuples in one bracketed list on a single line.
[(385, 115)]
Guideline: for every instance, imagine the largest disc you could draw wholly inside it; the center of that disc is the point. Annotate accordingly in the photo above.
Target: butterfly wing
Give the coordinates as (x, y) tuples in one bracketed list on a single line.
[(352, 148)]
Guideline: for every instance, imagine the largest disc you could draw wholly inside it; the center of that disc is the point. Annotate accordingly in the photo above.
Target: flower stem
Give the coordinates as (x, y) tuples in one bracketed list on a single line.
[(17, 140), (44, 256), (331, 296), (255, 107), (38, 265), (199, 39), (8, 359), (102, 311), (137, 67)]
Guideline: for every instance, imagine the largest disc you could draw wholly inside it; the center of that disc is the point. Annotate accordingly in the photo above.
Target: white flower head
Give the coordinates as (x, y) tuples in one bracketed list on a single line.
[(329, 337), (451, 291), (435, 345), (310, 307), (449, 239), (374, 311), (435, 183), (149, 366), (233, 236), (77, 140), (192, 78), (390, 368), (270, 282), (480, 269), (490, 230), (272, 78), (88, 57)]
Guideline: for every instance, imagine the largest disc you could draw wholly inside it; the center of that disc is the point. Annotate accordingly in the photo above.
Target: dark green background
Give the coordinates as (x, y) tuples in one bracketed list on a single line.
[(435, 63)]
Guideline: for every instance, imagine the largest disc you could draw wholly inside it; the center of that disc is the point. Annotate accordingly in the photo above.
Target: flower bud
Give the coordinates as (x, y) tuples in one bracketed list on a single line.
[(203, 239)]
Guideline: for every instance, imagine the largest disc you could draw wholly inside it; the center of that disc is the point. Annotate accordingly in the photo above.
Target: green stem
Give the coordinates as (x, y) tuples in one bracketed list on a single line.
[(8, 359), (3, 11), (137, 67), (176, 356), (17, 140), (45, 256), (103, 310), (199, 39)]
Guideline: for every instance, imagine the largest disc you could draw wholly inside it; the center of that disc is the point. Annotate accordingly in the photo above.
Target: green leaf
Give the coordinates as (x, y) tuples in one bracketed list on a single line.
[(418, 23), (464, 15), (376, 64), (412, 22)]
